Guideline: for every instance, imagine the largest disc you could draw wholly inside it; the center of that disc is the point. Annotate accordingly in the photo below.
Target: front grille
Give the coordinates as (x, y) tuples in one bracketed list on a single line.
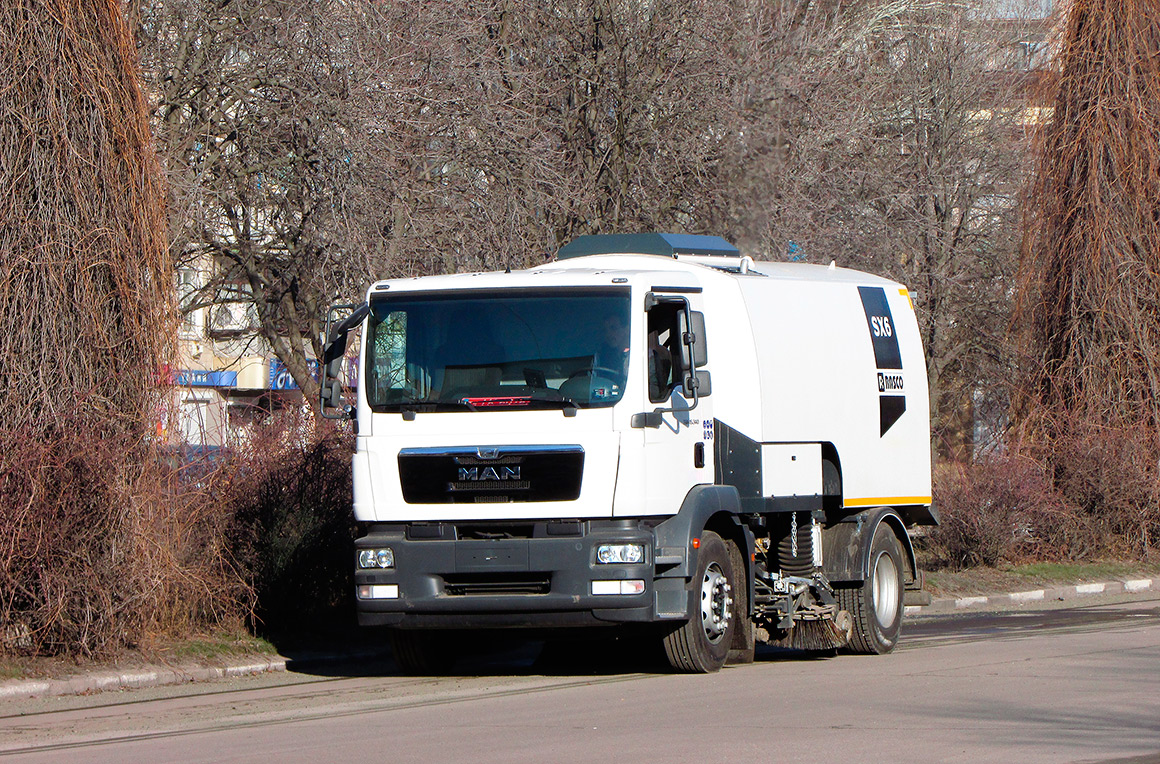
[(491, 474), (482, 584)]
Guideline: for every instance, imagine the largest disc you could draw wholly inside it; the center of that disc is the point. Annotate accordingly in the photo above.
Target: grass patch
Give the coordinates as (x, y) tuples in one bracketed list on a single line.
[(212, 648), (204, 649), (1006, 578), (1078, 572), (11, 671)]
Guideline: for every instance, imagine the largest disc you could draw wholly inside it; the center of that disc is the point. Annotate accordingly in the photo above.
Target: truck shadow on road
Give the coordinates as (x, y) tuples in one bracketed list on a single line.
[(557, 657)]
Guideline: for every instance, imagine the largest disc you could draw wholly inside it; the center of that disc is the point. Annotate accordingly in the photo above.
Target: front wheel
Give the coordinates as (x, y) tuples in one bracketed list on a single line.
[(701, 645), (422, 653), (876, 606)]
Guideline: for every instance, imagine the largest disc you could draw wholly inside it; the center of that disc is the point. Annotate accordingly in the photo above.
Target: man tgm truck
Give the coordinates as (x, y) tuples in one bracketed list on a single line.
[(651, 432)]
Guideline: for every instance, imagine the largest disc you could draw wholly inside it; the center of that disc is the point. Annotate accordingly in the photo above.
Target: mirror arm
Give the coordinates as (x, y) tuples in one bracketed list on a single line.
[(330, 388)]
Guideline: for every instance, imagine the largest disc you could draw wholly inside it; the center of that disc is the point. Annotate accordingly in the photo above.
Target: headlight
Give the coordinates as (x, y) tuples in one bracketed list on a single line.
[(376, 558), (626, 553)]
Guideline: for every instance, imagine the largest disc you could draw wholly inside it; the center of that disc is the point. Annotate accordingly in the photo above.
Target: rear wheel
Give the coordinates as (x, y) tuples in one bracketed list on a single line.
[(702, 643), (876, 606)]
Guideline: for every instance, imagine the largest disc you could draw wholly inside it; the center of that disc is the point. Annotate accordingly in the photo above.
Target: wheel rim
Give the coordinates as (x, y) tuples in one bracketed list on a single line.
[(885, 589), (716, 603)]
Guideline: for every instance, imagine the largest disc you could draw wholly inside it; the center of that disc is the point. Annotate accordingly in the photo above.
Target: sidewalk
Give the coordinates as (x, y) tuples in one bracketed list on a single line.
[(155, 676)]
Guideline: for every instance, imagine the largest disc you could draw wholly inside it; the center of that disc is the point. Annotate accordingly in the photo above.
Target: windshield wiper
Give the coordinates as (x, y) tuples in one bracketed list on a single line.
[(426, 407), (566, 404)]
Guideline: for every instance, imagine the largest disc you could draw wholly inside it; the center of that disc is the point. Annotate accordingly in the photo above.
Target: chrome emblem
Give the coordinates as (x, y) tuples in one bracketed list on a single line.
[(479, 474), (487, 453)]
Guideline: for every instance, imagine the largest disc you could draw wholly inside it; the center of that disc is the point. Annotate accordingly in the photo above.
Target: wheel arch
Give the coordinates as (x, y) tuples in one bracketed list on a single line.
[(846, 545), (715, 508)]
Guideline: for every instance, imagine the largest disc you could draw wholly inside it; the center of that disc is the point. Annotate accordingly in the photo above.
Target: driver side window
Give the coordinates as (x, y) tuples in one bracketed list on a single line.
[(664, 351)]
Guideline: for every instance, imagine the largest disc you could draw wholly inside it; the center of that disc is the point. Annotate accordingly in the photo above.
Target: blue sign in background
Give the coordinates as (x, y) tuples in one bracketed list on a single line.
[(280, 377), (200, 378)]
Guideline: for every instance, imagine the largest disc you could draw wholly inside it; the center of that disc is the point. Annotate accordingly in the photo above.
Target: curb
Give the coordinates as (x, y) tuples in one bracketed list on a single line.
[(82, 684), (953, 604)]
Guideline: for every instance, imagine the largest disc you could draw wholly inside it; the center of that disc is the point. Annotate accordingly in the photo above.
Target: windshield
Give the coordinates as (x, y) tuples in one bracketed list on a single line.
[(484, 350)]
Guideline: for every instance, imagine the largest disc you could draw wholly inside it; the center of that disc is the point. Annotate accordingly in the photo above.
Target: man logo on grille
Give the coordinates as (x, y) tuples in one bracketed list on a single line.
[(478, 474)]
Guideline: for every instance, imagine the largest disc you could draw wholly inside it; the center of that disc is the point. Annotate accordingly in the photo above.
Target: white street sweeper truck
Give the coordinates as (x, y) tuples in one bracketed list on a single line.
[(651, 433)]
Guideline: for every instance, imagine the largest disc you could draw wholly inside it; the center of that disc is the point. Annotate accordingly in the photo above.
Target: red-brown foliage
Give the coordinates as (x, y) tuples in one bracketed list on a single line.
[(291, 532), (99, 551)]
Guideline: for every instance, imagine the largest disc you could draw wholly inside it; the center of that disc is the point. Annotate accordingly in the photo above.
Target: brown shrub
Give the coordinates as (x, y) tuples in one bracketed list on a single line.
[(1109, 476), (1079, 490), (291, 528), (106, 543), (1000, 508)]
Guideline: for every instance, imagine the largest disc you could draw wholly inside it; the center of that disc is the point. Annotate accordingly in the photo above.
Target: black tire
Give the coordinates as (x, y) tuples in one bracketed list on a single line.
[(875, 607), (701, 645), (422, 653), (743, 649)]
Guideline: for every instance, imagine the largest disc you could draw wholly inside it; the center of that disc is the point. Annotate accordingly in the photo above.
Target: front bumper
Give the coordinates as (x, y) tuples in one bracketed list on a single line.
[(542, 580)]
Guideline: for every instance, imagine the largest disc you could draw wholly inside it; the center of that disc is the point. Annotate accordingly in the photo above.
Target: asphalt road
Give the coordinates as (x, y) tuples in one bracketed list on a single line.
[(1066, 685)]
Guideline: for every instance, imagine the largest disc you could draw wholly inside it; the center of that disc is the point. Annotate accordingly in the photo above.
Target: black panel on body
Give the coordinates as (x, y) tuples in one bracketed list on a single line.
[(890, 408), (738, 460), (881, 326)]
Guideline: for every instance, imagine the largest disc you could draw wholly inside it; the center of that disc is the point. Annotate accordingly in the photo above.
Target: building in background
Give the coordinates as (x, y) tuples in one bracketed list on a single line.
[(226, 376)]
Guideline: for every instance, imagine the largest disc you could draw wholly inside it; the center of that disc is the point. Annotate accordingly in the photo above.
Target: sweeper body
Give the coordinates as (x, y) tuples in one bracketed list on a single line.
[(650, 433)]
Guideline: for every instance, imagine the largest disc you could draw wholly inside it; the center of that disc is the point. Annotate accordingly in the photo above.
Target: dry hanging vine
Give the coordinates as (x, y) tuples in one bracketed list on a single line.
[(1092, 252), (99, 541), (85, 278), (1091, 272)]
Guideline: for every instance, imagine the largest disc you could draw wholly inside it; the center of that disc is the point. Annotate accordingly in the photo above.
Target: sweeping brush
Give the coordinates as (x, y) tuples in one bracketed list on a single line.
[(819, 634)]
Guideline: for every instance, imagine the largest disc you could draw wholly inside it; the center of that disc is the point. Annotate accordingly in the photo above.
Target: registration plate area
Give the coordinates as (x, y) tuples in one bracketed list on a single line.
[(483, 556)]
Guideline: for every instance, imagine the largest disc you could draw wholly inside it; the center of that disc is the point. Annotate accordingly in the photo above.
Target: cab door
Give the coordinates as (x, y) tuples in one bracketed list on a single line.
[(678, 425)]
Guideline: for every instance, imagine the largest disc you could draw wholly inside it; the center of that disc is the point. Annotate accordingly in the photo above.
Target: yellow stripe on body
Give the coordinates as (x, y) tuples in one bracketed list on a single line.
[(886, 501)]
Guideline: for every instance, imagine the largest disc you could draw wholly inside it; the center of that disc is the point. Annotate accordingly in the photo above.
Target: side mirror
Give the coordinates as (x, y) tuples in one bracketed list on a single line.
[(694, 350), (700, 348), (330, 386), (687, 339), (697, 384)]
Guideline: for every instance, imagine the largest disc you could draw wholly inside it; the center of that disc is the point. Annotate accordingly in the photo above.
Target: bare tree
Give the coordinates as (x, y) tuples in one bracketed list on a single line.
[(512, 128), (314, 147), (258, 118), (911, 165)]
